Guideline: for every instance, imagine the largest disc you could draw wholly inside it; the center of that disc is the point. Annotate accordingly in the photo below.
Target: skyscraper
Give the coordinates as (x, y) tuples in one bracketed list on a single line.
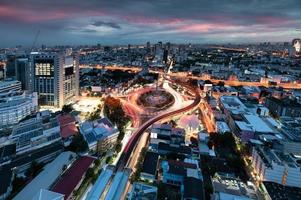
[(55, 77), (22, 67)]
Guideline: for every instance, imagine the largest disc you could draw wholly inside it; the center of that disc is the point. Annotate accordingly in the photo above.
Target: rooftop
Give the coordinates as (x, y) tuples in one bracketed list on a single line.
[(141, 191), (48, 195), (193, 188), (47, 177), (278, 192), (100, 184), (118, 185), (72, 176), (150, 163)]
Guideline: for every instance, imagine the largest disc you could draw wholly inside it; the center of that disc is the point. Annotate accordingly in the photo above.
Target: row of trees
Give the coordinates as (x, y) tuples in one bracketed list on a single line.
[(135, 176)]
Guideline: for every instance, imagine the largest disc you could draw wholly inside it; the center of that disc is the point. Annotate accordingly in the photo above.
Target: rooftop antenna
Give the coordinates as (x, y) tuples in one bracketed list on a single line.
[(35, 40)]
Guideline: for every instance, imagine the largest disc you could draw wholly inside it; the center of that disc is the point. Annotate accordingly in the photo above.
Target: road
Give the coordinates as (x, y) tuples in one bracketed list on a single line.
[(185, 75), (128, 150)]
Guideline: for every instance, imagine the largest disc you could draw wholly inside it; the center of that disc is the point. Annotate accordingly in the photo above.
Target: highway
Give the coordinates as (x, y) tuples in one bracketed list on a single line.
[(127, 152)]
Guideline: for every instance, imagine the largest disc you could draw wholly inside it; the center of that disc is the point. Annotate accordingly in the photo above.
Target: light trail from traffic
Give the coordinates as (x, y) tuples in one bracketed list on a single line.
[(128, 150), (185, 75)]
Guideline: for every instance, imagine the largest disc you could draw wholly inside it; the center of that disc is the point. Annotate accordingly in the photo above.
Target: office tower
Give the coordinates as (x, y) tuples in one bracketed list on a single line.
[(22, 67), (10, 65), (165, 56), (55, 77)]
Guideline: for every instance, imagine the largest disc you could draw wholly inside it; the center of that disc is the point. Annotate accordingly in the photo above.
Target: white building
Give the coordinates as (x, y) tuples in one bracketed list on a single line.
[(221, 127), (275, 166), (243, 121), (100, 135), (55, 77), (16, 106), (35, 133), (9, 85)]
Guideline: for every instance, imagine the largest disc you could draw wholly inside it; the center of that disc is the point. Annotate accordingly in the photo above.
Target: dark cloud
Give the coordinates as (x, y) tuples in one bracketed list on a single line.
[(178, 20), (106, 24)]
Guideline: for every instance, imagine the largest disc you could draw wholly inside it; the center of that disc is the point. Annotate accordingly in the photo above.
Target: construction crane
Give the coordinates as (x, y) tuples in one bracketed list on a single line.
[(35, 40)]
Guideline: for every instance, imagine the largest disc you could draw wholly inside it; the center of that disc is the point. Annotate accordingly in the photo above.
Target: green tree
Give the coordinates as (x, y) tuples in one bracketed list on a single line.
[(67, 108), (90, 173), (78, 144), (118, 147)]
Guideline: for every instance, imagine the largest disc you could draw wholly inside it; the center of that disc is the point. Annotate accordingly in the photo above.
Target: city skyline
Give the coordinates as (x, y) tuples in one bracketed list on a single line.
[(132, 21)]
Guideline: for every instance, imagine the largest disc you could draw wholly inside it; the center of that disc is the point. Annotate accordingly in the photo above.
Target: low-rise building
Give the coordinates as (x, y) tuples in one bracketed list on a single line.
[(225, 185), (283, 107), (143, 192), (100, 135), (275, 191), (203, 145), (165, 133), (10, 85), (15, 106), (242, 121), (48, 195), (73, 177), (221, 127), (36, 132), (150, 164), (46, 178), (68, 127), (174, 172), (275, 166)]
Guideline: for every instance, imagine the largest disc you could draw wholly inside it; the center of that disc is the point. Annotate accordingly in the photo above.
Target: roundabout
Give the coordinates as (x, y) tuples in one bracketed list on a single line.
[(154, 100)]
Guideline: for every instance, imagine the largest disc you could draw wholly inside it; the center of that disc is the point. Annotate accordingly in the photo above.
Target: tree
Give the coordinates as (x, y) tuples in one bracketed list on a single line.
[(67, 108), (118, 147), (97, 162), (78, 144), (90, 173), (109, 160)]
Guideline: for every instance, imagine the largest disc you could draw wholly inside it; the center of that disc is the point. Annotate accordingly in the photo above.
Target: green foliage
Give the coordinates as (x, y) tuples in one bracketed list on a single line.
[(67, 108), (95, 114), (97, 162), (136, 175), (109, 160), (90, 173), (118, 147), (78, 144)]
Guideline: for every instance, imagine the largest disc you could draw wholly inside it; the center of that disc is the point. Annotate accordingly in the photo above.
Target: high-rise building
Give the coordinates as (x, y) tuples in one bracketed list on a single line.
[(10, 65), (55, 77), (22, 67)]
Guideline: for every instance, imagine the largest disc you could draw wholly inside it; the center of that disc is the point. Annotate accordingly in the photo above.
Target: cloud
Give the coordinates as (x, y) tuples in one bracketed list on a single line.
[(139, 20), (106, 24)]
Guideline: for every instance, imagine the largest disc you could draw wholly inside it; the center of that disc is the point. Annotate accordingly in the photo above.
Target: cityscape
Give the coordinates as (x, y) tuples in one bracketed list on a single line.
[(147, 100)]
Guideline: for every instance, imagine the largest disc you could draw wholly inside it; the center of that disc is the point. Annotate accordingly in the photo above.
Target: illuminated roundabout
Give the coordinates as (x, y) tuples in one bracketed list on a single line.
[(154, 100)]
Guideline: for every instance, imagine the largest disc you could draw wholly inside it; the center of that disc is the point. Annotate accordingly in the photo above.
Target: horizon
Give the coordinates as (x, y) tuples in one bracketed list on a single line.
[(136, 22)]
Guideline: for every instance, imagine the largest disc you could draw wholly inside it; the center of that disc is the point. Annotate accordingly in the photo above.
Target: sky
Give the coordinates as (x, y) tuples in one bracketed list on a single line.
[(72, 22)]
